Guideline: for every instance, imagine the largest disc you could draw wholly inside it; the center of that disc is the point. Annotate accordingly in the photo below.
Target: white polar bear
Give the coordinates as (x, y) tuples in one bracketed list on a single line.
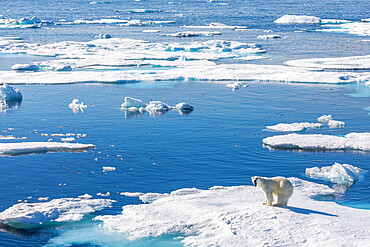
[(281, 187)]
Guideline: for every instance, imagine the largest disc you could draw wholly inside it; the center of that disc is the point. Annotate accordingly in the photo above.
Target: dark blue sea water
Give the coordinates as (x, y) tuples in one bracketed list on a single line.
[(219, 143)]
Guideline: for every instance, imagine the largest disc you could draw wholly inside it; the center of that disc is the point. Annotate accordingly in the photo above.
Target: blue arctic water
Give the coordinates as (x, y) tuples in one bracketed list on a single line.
[(219, 143)]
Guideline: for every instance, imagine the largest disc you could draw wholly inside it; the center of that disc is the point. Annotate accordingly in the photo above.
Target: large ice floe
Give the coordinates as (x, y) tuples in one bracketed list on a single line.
[(24, 148), (349, 142), (235, 216), (298, 19), (357, 28), (34, 215), (101, 60), (337, 173), (340, 63)]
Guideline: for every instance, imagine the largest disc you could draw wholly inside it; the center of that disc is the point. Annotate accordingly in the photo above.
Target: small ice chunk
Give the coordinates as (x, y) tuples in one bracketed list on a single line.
[(157, 106), (31, 67), (104, 36), (85, 196), (108, 168), (132, 102), (235, 85), (43, 199), (336, 124), (294, 127), (272, 36), (75, 106), (184, 107), (298, 19), (337, 173), (33, 215), (324, 119), (131, 194), (101, 194), (68, 139), (9, 93), (62, 68)]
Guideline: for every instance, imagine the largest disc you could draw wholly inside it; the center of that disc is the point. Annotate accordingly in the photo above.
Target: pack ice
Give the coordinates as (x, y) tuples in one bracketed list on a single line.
[(24, 148), (337, 173), (235, 216), (350, 142), (33, 215)]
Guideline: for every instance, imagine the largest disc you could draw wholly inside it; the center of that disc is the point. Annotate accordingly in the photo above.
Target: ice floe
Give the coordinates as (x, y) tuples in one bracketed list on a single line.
[(357, 28), (349, 142), (9, 93), (216, 25), (272, 36), (327, 119), (184, 107), (33, 215), (132, 102), (76, 106), (298, 19), (294, 127), (191, 34), (340, 63), (235, 216), (31, 67), (24, 148), (337, 173)]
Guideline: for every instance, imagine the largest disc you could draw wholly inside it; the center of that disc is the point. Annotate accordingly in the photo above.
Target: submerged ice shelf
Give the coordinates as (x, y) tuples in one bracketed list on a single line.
[(235, 216), (24, 148), (349, 142), (33, 215)]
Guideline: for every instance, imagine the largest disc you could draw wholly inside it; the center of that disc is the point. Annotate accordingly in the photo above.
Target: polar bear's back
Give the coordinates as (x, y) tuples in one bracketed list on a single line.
[(283, 182)]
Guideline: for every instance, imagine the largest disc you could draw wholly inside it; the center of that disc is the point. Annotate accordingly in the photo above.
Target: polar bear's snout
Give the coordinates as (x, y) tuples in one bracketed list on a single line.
[(255, 180)]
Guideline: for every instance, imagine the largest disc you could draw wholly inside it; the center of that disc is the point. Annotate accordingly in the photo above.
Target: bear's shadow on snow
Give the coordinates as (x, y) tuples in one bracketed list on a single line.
[(308, 211)]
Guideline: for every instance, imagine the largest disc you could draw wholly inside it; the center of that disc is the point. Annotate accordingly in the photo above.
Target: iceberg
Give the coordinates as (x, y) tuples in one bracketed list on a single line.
[(31, 67), (294, 127), (235, 216), (35, 215), (298, 19), (337, 173), (25, 148), (9, 93), (349, 142)]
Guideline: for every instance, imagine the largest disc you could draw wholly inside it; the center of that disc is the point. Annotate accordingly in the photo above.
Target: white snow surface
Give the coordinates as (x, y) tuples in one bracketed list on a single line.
[(31, 215), (343, 63), (337, 173), (23, 148), (298, 19), (235, 216), (294, 127), (357, 28), (351, 141), (10, 93)]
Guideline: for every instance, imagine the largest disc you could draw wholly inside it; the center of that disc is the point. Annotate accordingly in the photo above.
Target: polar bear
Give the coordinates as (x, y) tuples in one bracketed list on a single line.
[(281, 187)]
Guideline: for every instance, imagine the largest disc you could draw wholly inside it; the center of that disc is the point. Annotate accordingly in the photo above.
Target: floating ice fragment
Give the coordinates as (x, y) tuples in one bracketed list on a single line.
[(350, 142), (31, 67), (101, 194), (132, 102), (85, 196), (272, 36), (104, 36), (108, 168), (24, 148), (131, 194), (191, 34), (62, 68), (68, 139), (324, 119), (43, 199), (157, 106), (33, 215), (337, 173), (298, 19), (294, 127), (336, 124), (184, 107), (9, 93), (236, 85), (139, 10), (75, 106)]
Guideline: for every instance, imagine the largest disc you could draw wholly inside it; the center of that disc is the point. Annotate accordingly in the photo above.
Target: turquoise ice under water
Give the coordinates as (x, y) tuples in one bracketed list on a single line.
[(219, 143)]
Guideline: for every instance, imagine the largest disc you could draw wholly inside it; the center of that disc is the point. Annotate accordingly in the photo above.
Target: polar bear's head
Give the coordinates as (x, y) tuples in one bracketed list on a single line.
[(255, 180)]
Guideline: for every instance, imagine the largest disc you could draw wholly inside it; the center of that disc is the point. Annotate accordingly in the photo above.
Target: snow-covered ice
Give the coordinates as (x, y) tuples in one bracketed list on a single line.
[(294, 127), (324, 119), (235, 216), (327, 119), (23, 148), (350, 142), (31, 67), (9, 93), (357, 28), (32, 215), (132, 102), (337, 173), (342, 63), (157, 107), (298, 19)]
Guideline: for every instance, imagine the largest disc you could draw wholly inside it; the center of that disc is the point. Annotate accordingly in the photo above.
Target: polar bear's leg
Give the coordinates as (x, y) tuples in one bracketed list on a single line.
[(280, 200), (269, 199)]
